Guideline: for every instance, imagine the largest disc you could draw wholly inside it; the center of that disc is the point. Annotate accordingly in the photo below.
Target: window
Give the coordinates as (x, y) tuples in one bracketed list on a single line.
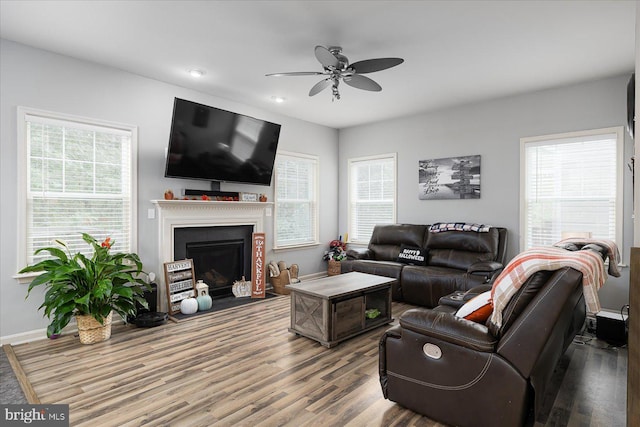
[(296, 200), (372, 195), (571, 183), (76, 175)]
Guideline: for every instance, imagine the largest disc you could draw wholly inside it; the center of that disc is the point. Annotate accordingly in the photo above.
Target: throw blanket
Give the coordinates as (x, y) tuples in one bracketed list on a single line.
[(609, 246), (589, 263), (458, 226)]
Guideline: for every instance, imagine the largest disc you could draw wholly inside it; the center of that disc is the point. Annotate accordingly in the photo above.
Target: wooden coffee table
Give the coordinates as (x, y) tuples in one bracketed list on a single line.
[(335, 308)]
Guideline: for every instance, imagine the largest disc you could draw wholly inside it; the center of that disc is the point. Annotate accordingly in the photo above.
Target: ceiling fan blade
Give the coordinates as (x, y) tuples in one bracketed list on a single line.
[(319, 87), (295, 73), (326, 58), (372, 65), (362, 82)]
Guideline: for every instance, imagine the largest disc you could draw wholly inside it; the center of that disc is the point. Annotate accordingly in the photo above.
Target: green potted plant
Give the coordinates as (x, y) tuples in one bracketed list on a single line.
[(88, 288)]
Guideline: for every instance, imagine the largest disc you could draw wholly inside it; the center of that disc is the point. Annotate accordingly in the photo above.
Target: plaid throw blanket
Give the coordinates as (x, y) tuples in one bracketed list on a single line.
[(609, 246), (589, 263), (458, 226)]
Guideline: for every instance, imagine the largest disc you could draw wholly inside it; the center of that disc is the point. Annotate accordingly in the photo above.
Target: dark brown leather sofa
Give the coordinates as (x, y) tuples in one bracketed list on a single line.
[(456, 260), (476, 376)]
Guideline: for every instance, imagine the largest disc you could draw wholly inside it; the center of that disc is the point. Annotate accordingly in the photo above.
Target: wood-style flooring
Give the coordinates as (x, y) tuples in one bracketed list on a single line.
[(241, 367)]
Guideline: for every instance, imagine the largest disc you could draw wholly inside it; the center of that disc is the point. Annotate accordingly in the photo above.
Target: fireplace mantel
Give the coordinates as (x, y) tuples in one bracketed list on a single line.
[(172, 214)]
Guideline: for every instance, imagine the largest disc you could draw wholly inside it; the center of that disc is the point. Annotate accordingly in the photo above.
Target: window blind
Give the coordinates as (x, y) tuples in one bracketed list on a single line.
[(296, 206), (78, 180), (372, 195), (571, 184)]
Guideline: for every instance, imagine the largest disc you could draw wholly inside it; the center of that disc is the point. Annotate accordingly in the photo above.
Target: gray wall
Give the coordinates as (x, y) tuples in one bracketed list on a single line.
[(44, 80), (40, 79), (493, 130)]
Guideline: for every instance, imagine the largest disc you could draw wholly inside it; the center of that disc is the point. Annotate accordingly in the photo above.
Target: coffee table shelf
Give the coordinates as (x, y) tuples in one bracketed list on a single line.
[(332, 309)]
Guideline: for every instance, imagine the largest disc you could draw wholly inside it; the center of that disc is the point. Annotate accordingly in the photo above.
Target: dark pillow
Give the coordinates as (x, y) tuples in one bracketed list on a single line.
[(412, 255)]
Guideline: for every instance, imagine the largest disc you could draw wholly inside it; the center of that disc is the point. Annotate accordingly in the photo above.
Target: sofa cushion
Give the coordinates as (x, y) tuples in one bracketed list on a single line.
[(426, 285), (386, 239), (460, 249), (477, 309), (521, 300), (413, 255)]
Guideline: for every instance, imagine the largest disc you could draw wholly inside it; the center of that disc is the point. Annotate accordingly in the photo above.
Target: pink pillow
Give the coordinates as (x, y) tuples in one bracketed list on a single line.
[(477, 309)]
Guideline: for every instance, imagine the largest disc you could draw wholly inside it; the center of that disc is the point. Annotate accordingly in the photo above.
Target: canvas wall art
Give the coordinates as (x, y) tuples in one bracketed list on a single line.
[(449, 178)]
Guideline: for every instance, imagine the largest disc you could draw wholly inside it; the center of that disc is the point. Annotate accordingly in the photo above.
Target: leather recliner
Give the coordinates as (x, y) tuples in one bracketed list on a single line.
[(456, 260), (462, 373)]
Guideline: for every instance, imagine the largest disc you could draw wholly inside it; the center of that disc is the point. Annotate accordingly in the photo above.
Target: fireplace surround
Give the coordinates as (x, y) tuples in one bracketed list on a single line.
[(180, 214), (221, 254)]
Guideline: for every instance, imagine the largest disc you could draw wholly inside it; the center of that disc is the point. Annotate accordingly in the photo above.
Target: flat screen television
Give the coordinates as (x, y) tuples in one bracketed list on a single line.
[(216, 145)]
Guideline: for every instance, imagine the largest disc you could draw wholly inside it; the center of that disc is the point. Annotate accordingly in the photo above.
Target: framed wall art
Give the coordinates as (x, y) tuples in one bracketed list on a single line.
[(449, 178)]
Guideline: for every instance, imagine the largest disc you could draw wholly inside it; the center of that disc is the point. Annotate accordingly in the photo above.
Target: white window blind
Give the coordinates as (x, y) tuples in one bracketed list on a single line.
[(78, 179), (372, 195), (296, 200), (572, 183)]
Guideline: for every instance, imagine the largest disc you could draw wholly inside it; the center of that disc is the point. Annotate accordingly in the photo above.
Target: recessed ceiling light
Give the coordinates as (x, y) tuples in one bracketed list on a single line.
[(196, 73), (278, 99)]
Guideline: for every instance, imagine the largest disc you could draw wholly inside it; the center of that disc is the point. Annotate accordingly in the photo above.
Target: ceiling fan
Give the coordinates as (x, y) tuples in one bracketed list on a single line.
[(337, 67)]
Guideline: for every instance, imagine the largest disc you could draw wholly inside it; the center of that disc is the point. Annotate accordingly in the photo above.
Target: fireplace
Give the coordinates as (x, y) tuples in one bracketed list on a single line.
[(194, 214), (221, 254)]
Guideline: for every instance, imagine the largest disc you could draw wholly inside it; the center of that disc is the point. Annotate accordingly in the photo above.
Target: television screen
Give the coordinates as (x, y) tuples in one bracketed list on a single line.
[(217, 145)]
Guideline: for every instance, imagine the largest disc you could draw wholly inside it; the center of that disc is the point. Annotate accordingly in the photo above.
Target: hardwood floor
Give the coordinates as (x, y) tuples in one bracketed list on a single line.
[(242, 367)]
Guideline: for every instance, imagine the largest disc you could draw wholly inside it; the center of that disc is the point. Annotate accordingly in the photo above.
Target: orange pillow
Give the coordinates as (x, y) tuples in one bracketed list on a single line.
[(477, 309)]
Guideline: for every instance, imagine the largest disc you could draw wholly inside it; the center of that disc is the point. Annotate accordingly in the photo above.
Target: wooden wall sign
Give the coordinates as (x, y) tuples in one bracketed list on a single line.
[(258, 270), (179, 277)]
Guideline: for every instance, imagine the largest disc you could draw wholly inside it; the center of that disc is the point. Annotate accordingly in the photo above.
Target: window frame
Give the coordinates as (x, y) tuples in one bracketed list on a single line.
[(316, 211), (619, 210), (350, 165), (22, 178)]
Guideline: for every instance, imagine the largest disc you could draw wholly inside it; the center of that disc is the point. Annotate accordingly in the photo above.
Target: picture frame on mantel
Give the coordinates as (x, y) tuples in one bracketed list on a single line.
[(248, 197)]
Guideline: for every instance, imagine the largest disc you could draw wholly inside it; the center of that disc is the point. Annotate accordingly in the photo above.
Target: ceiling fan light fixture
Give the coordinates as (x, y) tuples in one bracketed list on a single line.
[(196, 73)]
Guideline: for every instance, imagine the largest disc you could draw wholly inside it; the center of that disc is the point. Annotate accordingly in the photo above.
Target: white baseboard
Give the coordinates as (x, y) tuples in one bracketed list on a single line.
[(41, 334), (23, 337), (71, 328)]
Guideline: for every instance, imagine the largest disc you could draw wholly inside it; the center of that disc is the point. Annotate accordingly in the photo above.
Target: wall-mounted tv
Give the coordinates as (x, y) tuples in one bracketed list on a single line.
[(631, 104), (217, 145)]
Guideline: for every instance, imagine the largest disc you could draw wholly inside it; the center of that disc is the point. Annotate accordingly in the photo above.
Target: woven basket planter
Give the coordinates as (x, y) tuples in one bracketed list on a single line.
[(279, 283), (333, 269), (91, 331)]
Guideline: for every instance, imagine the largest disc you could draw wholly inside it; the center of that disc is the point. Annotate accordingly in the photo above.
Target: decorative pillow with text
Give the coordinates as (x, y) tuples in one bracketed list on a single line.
[(412, 255)]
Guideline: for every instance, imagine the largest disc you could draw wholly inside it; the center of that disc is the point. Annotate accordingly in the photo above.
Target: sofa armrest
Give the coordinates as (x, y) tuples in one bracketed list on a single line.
[(489, 270), (458, 298), (359, 253), (447, 327), (475, 291), (483, 267)]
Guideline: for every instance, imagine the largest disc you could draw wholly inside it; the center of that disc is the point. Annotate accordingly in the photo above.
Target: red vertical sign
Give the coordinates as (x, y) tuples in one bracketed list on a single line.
[(257, 273)]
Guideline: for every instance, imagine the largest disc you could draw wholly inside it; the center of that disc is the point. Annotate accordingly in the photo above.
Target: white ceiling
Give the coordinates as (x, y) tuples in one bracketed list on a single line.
[(455, 52)]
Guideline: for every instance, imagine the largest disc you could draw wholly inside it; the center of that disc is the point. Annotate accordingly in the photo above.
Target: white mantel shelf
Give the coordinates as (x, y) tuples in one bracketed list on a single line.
[(173, 214), (214, 204)]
